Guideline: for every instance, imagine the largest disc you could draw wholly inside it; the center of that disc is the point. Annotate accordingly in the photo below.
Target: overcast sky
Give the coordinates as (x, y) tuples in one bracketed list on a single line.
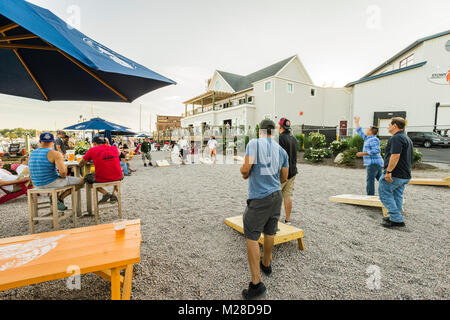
[(338, 41)]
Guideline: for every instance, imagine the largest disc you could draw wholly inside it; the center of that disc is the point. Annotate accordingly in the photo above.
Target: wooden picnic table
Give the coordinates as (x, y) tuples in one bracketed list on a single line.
[(31, 259), (77, 171)]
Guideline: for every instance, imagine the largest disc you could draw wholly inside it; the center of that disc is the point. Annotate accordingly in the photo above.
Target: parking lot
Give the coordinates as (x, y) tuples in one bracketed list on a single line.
[(436, 154)]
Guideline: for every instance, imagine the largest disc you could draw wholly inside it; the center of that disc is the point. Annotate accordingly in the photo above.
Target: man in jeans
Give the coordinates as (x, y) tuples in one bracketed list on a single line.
[(266, 166), (397, 172), (372, 156), (290, 144)]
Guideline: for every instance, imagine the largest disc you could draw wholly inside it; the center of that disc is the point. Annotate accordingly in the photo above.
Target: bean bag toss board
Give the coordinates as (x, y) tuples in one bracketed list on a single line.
[(431, 182), (285, 233), (162, 163), (239, 158), (206, 161), (360, 200)]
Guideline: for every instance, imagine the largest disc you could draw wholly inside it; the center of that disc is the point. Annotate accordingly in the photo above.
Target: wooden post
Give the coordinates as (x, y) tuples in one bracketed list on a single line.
[(213, 101), (185, 110), (202, 105)]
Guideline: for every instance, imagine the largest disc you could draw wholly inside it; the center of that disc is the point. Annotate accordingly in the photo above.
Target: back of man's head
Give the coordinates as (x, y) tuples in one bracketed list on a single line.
[(98, 140), (266, 126)]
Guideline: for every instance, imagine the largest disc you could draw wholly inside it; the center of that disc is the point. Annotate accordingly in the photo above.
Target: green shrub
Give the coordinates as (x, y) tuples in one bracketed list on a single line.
[(257, 131), (356, 142), (417, 156), (299, 138), (307, 142), (82, 147), (318, 140), (337, 147), (349, 156), (315, 155), (383, 144), (328, 153), (247, 140)]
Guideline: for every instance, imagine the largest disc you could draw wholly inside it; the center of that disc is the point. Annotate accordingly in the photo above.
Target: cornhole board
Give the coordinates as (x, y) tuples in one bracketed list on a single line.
[(361, 200), (431, 182), (285, 233), (162, 163), (239, 158), (206, 161)]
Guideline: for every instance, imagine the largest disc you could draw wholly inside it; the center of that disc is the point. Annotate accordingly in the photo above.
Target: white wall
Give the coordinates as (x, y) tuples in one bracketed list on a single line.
[(409, 91)]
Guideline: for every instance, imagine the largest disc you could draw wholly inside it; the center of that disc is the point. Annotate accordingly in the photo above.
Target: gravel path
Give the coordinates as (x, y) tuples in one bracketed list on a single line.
[(189, 253)]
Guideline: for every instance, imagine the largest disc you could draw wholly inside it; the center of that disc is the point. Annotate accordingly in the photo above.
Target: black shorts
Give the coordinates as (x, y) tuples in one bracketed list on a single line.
[(90, 178), (262, 215)]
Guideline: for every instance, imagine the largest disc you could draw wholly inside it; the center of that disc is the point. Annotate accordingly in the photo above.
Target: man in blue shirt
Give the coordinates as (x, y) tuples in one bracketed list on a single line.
[(266, 166), (372, 156)]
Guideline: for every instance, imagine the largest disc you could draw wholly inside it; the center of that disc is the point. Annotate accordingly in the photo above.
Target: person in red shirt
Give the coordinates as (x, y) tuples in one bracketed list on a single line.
[(107, 166)]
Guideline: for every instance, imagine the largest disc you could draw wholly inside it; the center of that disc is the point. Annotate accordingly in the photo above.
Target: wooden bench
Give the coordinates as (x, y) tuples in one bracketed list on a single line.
[(360, 200), (285, 232), (27, 260), (54, 215), (431, 182)]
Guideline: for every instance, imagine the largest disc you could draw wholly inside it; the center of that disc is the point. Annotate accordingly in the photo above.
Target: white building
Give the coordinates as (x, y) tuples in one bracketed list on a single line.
[(283, 89), (414, 84)]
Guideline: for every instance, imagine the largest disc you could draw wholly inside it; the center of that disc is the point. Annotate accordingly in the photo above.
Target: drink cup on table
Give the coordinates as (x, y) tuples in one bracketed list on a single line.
[(119, 228), (79, 157), (70, 155)]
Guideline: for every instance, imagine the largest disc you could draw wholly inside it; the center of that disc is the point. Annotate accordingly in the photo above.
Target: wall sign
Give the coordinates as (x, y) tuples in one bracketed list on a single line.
[(441, 76)]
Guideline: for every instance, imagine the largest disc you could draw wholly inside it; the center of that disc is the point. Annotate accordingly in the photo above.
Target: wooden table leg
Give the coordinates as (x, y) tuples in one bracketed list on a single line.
[(88, 191), (126, 294), (301, 245), (115, 284), (77, 171)]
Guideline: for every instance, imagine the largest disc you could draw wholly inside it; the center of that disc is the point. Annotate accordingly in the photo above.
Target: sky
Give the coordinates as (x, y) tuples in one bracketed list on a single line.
[(338, 41)]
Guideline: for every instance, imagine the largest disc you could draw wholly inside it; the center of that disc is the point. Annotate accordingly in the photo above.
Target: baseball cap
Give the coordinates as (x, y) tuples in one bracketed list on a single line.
[(98, 140), (285, 123), (267, 124), (46, 137)]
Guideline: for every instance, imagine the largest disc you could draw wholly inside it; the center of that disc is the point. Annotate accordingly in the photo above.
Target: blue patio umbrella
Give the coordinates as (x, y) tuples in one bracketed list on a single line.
[(43, 58), (97, 124)]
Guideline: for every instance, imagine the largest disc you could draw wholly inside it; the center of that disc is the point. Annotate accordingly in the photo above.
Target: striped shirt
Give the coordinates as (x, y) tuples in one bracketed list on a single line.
[(42, 171), (372, 147)]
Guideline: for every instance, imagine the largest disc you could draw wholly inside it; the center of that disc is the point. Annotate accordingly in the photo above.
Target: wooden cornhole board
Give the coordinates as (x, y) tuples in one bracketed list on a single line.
[(285, 233), (162, 163), (431, 182), (361, 200), (239, 158)]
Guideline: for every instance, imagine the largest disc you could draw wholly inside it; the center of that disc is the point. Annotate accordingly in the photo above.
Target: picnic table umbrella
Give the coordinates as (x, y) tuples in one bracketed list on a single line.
[(43, 58)]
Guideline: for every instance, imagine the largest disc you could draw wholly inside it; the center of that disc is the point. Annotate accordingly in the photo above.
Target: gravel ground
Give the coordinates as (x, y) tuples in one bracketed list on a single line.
[(188, 252)]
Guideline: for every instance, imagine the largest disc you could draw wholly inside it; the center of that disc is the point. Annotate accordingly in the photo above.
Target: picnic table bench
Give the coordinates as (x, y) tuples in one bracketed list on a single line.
[(285, 233), (31, 259)]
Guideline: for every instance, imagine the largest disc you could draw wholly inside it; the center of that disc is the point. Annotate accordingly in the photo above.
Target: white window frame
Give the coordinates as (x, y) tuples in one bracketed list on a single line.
[(409, 60), (266, 82), (292, 87)]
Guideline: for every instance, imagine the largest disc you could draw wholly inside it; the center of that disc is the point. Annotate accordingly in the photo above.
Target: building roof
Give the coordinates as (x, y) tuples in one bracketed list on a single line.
[(408, 48), (240, 83), (386, 74)]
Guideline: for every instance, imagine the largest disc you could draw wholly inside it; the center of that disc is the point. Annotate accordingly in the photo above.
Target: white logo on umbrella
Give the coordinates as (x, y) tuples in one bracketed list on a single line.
[(105, 51), (17, 255)]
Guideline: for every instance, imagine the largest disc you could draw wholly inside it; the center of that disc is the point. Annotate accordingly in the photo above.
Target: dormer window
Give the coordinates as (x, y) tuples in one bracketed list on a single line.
[(267, 86)]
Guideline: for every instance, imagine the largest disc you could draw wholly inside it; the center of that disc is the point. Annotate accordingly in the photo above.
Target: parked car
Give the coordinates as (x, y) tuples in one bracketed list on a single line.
[(428, 139)]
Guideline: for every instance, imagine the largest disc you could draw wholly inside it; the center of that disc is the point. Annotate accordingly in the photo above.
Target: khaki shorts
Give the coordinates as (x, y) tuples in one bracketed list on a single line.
[(287, 188), (61, 183)]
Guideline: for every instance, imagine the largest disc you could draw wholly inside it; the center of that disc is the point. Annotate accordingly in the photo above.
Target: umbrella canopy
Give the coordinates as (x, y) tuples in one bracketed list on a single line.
[(43, 58), (97, 124), (120, 133)]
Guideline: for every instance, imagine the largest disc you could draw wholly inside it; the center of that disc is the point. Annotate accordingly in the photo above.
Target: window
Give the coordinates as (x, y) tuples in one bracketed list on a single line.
[(313, 92), (250, 99), (290, 88), (407, 61), (267, 86)]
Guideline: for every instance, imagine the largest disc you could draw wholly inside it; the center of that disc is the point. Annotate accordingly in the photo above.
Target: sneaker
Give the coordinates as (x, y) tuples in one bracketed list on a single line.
[(113, 198), (287, 222), (266, 270), (386, 219), (253, 293), (150, 164), (145, 164), (61, 206), (105, 198), (391, 224)]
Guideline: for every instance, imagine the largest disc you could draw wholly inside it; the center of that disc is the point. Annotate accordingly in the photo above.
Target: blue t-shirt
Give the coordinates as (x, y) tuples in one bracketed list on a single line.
[(264, 176)]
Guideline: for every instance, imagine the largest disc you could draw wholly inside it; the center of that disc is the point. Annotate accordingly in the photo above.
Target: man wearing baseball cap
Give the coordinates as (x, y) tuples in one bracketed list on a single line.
[(266, 166), (290, 144), (60, 144), (48, 171)]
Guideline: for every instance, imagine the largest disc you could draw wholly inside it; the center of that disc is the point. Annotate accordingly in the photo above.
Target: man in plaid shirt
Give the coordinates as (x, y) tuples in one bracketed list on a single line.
[(372, 156)]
